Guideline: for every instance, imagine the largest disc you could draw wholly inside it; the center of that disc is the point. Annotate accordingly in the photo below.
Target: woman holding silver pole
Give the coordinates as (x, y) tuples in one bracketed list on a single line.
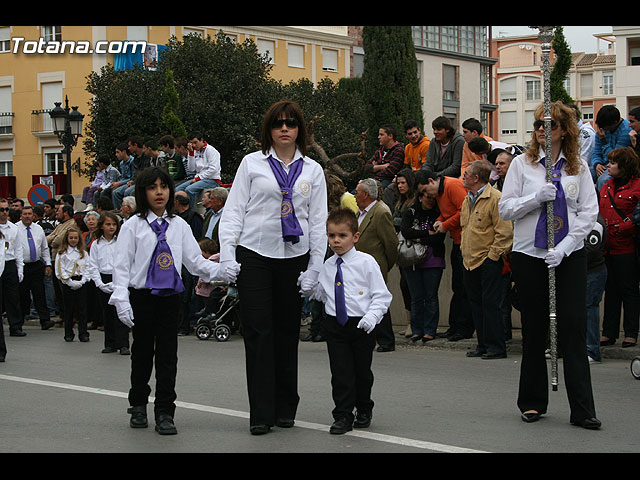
[(523, 201)]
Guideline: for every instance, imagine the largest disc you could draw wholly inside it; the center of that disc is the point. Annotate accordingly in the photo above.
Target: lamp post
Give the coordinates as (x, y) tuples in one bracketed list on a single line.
[(546, 37), (67, 125)]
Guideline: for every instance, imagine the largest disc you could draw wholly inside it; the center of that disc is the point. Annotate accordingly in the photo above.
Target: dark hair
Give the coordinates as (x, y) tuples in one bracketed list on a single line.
[(422, 177), (104, 159), (167, 140), (607, 116), (136, 140), (38, 210), (197, 135), (104, 203), (445, 123), (51, 202), (208, 245), (122, 146), (68, 209), (291, 110), (151, 143), (472, 124), (409, 124), (479, 145), (635, 112), (104, 216), (181, 142), (627, 160), (68, 198), (344, 216), (148, 177), (390, 130)]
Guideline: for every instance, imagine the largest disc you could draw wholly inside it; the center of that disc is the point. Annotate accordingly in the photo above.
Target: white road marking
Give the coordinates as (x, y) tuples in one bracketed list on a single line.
[(379, 437)]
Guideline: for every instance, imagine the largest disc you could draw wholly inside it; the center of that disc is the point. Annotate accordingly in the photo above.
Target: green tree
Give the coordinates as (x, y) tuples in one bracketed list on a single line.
[(561, 67), (169, 117), (389, 81)]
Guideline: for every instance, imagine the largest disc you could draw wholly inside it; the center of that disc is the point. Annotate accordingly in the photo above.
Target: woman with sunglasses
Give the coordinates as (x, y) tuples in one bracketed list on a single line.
[(523, 201), (273, 230)]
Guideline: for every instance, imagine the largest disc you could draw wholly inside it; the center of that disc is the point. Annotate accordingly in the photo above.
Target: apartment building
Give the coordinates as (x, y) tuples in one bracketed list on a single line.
[(33, 78)]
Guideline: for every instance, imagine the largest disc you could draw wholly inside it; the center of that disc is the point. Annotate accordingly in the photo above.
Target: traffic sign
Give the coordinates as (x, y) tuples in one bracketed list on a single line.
[(38, 194)]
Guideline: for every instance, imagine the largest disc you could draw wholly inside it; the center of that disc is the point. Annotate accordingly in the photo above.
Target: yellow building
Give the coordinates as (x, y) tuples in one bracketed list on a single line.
[(36, 72)]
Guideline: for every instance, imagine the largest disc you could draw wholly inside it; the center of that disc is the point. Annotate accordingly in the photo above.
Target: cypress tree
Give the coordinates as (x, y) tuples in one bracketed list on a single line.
[(560, 67), (389, 81)]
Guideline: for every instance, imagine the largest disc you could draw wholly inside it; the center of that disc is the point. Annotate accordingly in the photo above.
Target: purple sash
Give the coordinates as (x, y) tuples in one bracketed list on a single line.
[(291, 229), (560, 213), (162, 277)]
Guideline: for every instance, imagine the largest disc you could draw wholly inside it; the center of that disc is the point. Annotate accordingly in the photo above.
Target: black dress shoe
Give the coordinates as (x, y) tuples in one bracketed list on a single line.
[(340, 426), (589, 423), (84, 338), (530, 417), (17, 333), (285, 422), (609, 341), (383, 348), (476, 353), (47, 325), (455, 337), (362, 420), (318, 338), (259, 429), (108, 350), (307, 338), (165, 425), (125, 351), (138, 416), (491, 356)]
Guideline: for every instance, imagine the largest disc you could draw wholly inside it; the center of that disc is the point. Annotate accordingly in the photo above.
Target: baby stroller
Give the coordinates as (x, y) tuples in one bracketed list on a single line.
[(225, 319)]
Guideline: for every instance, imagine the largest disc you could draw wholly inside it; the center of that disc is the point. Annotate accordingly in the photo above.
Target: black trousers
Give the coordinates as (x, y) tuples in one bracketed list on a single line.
[(621, 293), (3, 344), (116, 333), (484, 290), (154, 342), (33, 285), (270, 307), (350, 355), (460, 317), (531, 277), (11, 296), (74, 300)]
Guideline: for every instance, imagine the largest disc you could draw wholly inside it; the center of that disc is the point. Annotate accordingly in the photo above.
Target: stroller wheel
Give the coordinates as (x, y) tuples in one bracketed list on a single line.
[(635, 368), (203, 331), (222, 333)]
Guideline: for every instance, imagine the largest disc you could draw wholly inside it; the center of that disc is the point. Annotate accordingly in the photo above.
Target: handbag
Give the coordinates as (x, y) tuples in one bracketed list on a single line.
[(411, 252)]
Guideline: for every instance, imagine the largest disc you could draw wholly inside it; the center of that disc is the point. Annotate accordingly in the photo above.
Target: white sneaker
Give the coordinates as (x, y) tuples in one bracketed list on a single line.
[(591, 360)]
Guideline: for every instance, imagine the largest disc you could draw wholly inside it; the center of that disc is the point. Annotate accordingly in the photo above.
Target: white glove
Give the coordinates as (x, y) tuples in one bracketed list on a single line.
[(546, 193), (106, 287), (229, 270), (74, 284), (307, 282), (125, 314), (367, 324), (554, 257)]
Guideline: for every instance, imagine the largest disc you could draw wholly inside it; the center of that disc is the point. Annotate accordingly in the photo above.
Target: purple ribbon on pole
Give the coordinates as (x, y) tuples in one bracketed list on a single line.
[(291, 229), (162, 277), (560, 213)]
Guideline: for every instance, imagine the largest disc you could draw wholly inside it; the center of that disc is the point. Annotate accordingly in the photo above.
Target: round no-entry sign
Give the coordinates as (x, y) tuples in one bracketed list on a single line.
[(38, 194)]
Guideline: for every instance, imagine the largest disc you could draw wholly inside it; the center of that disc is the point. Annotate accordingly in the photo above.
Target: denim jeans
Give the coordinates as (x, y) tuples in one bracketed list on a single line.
[(193, 189), (425, 309), (596, 282)]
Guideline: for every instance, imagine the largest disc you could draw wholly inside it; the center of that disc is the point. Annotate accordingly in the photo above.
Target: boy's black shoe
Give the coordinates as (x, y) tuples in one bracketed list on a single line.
[(165, 425), (340, 426), (363, 419), (138, 416)]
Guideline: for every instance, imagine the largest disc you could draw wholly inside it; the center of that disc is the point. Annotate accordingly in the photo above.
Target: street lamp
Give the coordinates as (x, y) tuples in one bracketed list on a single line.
[(67, 125)]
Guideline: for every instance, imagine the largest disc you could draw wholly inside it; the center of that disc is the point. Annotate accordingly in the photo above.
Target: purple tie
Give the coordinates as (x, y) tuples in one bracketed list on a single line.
[(561, 217), (291, 230), (32, 245), (341, 307), (162, 277)]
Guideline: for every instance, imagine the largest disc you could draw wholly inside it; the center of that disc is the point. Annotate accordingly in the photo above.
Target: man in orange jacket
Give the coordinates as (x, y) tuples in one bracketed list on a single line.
[(415, 152)]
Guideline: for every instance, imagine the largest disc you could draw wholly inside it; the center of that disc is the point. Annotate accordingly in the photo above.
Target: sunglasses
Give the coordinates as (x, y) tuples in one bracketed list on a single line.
[(540, 123), (289, 122), (4, 209)]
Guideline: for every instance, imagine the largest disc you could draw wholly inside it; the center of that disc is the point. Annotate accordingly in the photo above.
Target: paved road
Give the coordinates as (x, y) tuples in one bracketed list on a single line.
[(68, 397)]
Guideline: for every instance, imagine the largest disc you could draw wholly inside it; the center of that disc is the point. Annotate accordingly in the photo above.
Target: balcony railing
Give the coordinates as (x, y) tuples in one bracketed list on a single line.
[(6, 123), (41, 123)]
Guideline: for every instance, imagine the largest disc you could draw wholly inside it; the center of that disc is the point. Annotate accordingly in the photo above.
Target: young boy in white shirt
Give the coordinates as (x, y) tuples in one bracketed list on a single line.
[(355, 276)]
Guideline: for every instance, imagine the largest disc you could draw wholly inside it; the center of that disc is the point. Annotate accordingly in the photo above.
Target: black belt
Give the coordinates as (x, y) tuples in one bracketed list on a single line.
[(76, 277), (106, 277)]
